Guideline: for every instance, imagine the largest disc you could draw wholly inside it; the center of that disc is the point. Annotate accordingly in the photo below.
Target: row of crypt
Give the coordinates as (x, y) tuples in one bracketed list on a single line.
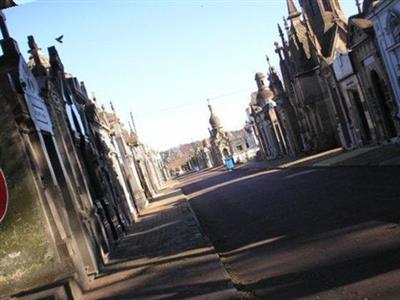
[(240, 145), (77, 178), (339, 83)]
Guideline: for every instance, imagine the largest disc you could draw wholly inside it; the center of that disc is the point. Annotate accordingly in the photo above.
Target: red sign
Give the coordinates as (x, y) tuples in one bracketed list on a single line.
[(3, 196)]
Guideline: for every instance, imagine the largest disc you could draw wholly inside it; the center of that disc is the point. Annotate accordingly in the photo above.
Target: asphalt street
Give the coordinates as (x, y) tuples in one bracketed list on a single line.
[(319, 233)]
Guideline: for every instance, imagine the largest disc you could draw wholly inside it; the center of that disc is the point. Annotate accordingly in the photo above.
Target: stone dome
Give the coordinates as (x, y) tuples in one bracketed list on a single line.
[(264, 96), (259, 76), (214, 120)]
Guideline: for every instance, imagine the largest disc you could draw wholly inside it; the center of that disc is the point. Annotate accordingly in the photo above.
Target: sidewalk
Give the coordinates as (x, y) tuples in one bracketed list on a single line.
[(376, 156), (381, 156), (165, 256)]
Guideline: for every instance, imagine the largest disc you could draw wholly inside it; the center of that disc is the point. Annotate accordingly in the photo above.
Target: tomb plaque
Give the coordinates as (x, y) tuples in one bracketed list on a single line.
[(37, 107)]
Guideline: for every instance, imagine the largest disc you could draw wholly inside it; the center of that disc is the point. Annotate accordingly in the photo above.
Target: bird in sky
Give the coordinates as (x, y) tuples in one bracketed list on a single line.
[(60, 39)]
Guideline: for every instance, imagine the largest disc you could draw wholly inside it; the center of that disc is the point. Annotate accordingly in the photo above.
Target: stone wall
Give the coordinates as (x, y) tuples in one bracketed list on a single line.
[(27, 254)]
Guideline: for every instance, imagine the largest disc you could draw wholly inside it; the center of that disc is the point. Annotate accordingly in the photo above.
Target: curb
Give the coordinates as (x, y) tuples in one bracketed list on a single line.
[(339, 166), (334, 160), (207, 239)]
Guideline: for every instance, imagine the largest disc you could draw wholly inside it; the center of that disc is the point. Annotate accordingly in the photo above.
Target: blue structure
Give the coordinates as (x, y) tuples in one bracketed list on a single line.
[(229, 163)]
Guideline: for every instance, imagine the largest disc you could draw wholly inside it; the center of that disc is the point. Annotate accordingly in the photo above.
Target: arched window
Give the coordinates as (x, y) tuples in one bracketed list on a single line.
[(394, 25)]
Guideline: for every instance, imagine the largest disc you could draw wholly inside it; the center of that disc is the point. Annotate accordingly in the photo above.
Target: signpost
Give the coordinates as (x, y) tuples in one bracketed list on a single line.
[(3, 196)]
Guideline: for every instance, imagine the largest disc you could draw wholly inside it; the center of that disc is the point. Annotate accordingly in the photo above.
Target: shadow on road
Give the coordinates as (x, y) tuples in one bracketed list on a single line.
[(290, 236), (326, 277), (161, 280), (165, 196), (164, 256)]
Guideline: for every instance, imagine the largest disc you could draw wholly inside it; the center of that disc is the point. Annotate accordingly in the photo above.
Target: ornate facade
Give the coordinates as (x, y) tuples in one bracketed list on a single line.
[(338, 87), (219, 140), (366, 105), (385, 15), (73, 183), (266, 120), (311, 40)]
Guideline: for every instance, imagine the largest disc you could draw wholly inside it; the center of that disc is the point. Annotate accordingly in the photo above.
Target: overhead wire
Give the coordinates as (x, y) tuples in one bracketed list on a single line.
[(192, 103)]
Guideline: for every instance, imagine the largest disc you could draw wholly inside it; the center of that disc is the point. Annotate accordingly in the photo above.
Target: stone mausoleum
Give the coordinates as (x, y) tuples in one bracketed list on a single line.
[(73, 176)]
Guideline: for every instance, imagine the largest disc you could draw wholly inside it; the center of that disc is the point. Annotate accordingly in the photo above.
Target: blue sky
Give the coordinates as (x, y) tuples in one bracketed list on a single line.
[(161, 59)]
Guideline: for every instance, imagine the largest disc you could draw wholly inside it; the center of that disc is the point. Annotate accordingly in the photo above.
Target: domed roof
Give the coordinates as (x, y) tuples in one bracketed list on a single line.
[(259, 75), (264, 96), (214, 120)]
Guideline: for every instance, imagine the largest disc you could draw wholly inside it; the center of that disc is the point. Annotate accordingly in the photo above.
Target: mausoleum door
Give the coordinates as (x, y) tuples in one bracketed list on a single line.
[(382, 100), (360, 116)]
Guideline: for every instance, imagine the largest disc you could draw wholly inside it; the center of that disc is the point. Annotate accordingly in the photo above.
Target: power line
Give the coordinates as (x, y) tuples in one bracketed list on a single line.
[(192, 103)]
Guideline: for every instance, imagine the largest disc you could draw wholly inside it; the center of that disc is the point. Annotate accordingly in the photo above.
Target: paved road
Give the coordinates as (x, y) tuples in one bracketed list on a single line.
[(324, 233)]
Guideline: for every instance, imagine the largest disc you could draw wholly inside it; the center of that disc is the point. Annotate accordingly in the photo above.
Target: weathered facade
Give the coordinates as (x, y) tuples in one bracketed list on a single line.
[(73, 180), (272, 118), (285, 114), (46, 238), (311, 42), (366, 103), (357, 126), (70, 134), (219, 141), (201, 157), (335, 78), (243, 144), (124, 161), (385, 15)]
